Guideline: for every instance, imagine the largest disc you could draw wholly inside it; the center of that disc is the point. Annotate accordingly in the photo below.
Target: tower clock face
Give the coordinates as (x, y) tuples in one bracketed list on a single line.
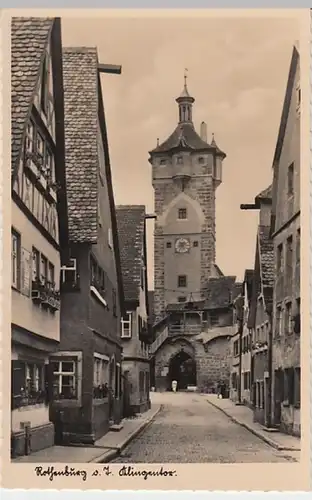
[(182, 245)]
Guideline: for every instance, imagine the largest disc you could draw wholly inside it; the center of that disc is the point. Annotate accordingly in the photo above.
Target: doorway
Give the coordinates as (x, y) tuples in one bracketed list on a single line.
[(182, 368), (278, 395)]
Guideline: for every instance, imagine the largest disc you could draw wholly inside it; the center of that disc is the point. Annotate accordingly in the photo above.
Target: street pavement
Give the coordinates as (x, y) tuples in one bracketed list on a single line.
[(190, 430)]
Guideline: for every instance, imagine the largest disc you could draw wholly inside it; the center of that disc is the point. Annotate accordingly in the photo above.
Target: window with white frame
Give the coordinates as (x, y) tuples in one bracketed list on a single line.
[(15, 258), (35, 264), (33, 378), (30, 137), (40, 145), (126, 325), (43, 268), (100, 376), (64, 378)]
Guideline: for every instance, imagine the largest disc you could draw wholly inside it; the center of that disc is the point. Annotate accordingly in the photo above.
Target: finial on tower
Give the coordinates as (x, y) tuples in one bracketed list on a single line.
[(185, 76), (213, 142), (157, 141)]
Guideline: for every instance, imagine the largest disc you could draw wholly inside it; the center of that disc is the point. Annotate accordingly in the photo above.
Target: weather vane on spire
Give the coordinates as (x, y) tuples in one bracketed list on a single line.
[(185, 76)]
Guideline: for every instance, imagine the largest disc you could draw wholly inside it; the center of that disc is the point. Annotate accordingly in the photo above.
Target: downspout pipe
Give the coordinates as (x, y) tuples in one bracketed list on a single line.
[(270, 370)]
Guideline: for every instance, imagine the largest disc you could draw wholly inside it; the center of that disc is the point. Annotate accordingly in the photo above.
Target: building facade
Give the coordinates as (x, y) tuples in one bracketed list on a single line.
[(86, 370), (261, 311), (286, 237), (186, 171), (241, 344), (39, 224), (131, 222), (246, 339)]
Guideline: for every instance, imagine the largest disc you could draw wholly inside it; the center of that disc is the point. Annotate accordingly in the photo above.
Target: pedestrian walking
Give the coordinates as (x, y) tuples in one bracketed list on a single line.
[(174, 384)]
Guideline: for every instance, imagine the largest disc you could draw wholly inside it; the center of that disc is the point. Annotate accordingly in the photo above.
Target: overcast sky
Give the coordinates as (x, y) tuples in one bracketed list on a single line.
[(237, 72)]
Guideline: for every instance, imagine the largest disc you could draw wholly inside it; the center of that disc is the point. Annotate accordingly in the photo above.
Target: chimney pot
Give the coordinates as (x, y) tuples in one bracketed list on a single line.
[(203, 131)]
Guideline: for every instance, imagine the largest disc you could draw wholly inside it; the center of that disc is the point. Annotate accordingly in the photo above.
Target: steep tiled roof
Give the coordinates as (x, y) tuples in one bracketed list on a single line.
[(184, 136), (81, 141), (266, 256), (219, 291), (29, 38), (131, 225)]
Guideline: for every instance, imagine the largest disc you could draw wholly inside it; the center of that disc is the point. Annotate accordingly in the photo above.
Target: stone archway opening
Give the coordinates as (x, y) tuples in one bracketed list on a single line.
[(182, 368)]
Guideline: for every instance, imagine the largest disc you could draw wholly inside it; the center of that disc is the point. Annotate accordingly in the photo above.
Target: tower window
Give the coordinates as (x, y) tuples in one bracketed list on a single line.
[(195, 243), (182, 213), (201, 159), (182, 281), (162, 162), (179, 159), (168, 244)]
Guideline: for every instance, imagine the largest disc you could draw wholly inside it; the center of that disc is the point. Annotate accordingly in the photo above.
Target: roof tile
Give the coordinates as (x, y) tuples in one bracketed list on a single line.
[(266, 256), (183, 136), (81, 141), (29, 38), (131, 225)]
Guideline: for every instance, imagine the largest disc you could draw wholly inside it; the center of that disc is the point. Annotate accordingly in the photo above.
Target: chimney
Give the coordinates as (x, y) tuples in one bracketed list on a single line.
[(203, 131)]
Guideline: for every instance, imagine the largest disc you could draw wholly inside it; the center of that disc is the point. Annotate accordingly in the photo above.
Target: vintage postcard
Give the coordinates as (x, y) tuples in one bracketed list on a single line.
[(156, 249)]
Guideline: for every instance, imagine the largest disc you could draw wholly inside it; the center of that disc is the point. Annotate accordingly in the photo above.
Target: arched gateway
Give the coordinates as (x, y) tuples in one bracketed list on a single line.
[(182, 368)]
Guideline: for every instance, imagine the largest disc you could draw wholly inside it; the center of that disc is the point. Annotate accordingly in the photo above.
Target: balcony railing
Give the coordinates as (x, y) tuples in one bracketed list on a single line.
[(184, 329)]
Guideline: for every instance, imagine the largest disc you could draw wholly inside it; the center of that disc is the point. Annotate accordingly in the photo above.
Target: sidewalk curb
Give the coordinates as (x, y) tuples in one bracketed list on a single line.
[(109, 456), (266, 439)]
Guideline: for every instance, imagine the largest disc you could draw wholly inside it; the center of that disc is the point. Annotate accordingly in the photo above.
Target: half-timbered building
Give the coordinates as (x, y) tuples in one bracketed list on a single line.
[(39, 223)]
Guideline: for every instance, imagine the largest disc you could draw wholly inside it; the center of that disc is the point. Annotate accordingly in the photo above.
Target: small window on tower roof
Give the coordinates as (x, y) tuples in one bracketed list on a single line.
[(182, 213), (179, 159)]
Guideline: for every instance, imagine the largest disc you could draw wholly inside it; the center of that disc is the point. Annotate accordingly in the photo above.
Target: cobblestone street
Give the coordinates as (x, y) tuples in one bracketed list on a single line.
[(189, 429)]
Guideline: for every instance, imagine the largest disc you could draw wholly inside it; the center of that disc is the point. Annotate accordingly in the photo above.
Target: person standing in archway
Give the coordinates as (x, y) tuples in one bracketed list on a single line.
[(174, 384)]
